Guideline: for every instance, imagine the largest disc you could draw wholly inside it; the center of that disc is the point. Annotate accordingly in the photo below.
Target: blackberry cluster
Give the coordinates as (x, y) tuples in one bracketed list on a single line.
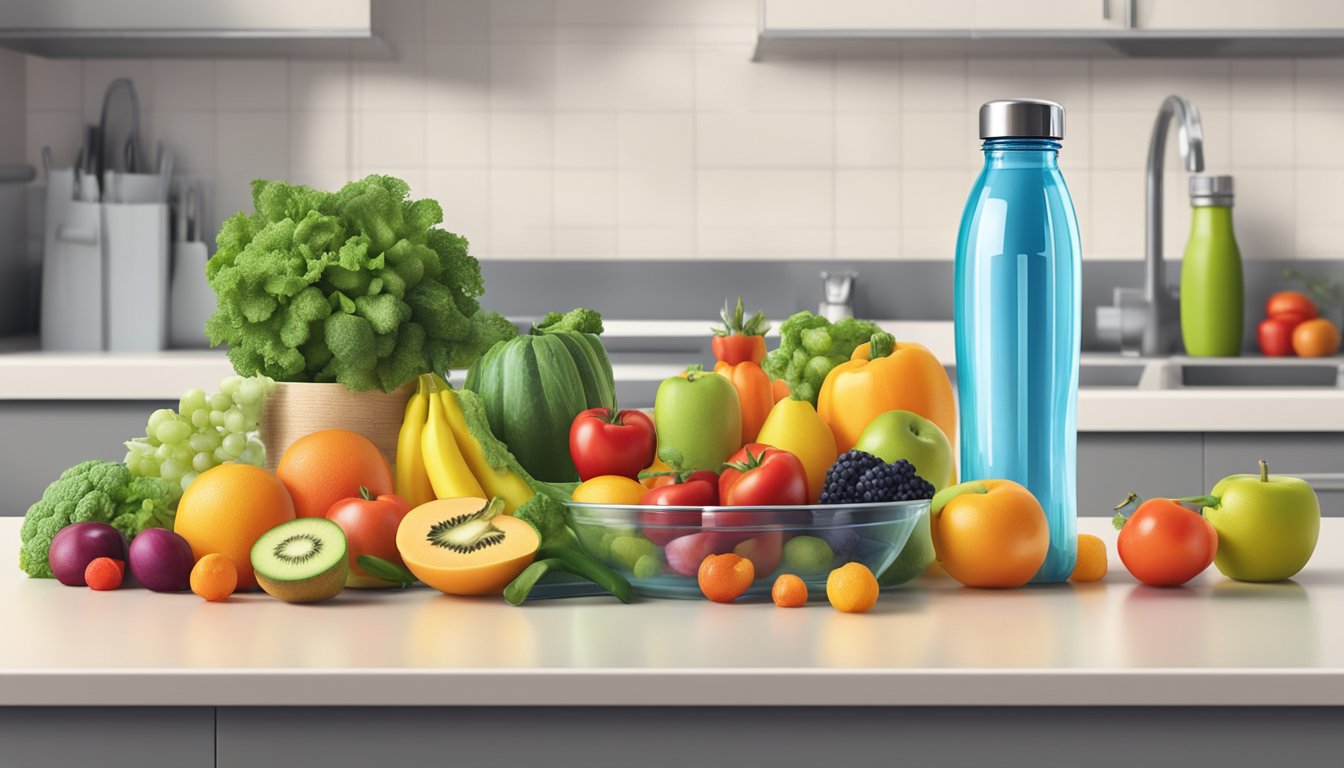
[(858, 477)]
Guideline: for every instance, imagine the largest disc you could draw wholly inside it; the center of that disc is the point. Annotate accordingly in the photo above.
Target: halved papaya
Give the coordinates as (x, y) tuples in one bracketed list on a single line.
[(465, 546)]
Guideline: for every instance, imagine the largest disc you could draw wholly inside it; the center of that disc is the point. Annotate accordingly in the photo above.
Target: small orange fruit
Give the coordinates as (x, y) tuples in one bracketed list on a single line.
[(214, 577), (852, 588), (723, 578), (1091, 562), (1316, 338), (789, 591), (330, 465)]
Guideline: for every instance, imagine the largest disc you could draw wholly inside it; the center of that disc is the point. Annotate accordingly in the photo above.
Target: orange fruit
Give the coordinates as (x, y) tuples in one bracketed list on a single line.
[(1091, 562), (214, 577), (227, 508), (1316, 338), (723, 578), (852, 588), (789, 591), (327, 466), (989, 533)]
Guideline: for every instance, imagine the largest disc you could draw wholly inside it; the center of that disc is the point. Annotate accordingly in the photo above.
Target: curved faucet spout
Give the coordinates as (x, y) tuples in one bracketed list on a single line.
[(1160, 329)]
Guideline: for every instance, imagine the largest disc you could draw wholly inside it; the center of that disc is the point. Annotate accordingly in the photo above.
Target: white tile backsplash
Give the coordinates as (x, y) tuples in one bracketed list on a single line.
[(610, 128)]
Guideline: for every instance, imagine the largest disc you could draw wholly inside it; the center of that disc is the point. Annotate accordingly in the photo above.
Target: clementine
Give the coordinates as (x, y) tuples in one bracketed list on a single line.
[(1316, 338)]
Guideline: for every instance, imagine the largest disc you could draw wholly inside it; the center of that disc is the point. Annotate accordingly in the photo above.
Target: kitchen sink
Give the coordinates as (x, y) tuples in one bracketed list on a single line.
[(1231, 375), (1198, 373), (1110, 375)]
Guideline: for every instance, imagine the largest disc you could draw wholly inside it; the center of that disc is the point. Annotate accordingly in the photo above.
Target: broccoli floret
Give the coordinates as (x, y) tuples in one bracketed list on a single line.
[(92, 491), (810, 346), (320, 286), (545, 514), (581, 320)]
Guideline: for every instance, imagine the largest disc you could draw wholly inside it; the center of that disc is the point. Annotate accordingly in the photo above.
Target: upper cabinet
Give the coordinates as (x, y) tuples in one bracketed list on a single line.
[(1040, 27), (183, 27), (1295, 17)]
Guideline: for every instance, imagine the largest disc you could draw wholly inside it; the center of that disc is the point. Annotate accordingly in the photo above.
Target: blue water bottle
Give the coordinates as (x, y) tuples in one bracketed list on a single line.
[(1018, 318)]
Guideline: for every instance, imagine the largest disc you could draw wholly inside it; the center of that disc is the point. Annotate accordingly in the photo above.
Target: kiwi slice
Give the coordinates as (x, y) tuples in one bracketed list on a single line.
[(302, 561)]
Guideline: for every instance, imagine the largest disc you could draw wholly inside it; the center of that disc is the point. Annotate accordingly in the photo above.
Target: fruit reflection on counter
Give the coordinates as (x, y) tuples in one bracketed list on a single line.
[(824, 467)]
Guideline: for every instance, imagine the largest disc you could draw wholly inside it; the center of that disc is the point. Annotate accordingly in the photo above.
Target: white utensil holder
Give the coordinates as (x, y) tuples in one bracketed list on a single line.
[(135, 251), (104, 274)]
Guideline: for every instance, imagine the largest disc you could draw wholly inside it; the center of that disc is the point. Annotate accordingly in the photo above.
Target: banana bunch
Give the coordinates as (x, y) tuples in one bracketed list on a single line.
[(439, 458)]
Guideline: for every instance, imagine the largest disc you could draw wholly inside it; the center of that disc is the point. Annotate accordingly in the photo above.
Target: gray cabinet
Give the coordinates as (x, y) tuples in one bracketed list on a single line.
[(108, 737), (1111, 464)]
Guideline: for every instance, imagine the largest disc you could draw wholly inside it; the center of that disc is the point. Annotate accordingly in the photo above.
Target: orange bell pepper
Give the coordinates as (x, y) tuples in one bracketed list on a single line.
[(781, 389), (884, 375), (755, 394)]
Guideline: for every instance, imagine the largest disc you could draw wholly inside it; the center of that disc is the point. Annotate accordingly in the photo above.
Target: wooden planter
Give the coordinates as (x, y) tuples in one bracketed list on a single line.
[(294, 410)]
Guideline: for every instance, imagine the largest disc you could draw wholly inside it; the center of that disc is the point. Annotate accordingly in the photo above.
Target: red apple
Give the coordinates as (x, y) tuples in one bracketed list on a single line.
[(1275, 333), (370, 526)]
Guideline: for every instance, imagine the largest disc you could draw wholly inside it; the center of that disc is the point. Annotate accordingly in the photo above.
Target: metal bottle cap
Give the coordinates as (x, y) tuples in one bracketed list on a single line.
[(1211, 190), (1021, 119)]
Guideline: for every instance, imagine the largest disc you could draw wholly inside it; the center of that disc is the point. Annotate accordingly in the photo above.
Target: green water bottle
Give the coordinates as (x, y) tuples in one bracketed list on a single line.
[(1212, 294)]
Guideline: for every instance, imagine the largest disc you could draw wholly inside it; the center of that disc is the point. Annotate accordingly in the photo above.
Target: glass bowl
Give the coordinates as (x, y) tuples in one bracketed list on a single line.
[(659, 549)]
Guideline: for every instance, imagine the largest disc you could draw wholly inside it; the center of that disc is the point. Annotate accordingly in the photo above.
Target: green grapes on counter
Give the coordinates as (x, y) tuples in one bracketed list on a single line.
[(204, 432)]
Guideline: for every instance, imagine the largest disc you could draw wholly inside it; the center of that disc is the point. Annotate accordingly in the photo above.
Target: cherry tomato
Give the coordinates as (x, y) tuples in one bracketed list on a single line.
[(605, 442), (370, 526), (1290, 303), (760, 475), (698, 489), (1165, 544)]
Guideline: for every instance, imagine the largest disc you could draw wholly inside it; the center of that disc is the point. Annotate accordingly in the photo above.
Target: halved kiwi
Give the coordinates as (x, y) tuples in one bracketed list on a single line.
[(302, 561), (465, 546)]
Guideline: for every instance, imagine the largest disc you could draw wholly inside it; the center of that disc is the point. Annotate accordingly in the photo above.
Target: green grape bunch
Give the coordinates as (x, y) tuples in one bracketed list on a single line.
[(204, 432)]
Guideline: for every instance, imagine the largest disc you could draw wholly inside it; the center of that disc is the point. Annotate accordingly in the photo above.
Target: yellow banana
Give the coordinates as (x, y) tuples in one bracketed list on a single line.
[(412, 482), (448, 471), (502, 482)]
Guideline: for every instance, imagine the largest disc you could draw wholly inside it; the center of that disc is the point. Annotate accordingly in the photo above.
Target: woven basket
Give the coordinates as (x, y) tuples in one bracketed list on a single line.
[(294, 410)]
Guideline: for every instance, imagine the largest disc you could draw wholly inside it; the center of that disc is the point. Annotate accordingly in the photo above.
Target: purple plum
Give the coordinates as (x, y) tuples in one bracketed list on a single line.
[(161, 560), (78, 544)]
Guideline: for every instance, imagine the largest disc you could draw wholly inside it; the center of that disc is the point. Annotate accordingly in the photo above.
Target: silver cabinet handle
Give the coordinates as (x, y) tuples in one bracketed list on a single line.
[(1131, 14), (1323, 481), (1106, 10)]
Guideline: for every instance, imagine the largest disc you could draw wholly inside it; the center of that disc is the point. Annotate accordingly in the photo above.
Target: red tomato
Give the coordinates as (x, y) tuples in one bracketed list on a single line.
[(738, 348), (370, 526), (1165, 544), (699, 489), (1290, 303), (1275, 334), (604, 442), (760, 475)]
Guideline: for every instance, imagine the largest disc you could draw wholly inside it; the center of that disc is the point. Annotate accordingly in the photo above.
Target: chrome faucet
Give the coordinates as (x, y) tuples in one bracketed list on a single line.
[(1162, 314)]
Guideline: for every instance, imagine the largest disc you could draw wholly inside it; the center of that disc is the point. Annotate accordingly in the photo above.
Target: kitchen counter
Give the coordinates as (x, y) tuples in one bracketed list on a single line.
[(29, 374), (1214, 642)]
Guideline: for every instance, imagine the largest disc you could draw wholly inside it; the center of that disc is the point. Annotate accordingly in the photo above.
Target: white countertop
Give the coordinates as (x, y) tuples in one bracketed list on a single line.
[(27, 374), (1214, 642)]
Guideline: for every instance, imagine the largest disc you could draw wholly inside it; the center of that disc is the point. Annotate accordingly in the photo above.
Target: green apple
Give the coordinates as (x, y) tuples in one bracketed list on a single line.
[(896, 435), (698, 417), (1267, 525), (905, 435)]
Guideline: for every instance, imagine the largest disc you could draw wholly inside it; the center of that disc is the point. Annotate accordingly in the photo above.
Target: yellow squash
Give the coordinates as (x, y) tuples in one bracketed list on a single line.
[(794, 426)]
